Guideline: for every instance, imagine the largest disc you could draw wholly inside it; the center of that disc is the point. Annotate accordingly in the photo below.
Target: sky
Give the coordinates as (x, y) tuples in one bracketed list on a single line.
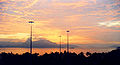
[(89, 21)]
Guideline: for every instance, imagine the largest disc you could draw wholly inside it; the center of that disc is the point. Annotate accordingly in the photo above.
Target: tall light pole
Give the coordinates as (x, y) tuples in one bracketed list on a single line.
[(60, 43), (31, 36), (68, 40)]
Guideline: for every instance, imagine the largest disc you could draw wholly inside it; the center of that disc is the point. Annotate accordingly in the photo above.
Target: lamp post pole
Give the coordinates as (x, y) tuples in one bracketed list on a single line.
[(31, 37), (60, 43), (68, 41)]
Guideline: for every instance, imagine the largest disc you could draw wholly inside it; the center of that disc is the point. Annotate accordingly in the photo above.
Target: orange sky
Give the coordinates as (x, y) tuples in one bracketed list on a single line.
[(89, 22)]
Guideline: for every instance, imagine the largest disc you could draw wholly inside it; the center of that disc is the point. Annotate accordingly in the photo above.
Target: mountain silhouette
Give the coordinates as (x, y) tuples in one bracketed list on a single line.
[(42, 43)]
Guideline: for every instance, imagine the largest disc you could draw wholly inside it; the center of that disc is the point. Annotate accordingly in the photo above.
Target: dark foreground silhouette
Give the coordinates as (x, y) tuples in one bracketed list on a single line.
[(110, 58)]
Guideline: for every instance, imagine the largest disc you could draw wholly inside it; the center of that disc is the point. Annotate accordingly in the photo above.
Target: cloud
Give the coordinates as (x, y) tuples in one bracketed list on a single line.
[(110, 23), (81, 28), (75, 5), (3, 0), (31, 4), (14, 36)]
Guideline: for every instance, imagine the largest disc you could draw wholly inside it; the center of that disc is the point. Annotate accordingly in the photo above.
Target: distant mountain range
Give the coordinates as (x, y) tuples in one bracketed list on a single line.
[(42, 43), (98, 45)]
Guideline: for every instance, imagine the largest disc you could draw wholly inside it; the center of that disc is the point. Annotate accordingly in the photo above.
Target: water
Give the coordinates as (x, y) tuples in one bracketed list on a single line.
[(42, 51)]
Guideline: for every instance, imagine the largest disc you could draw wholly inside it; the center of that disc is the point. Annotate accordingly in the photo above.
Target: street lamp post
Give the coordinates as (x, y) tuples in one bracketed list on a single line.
[(31, 37), (60, 43), (68, 40)]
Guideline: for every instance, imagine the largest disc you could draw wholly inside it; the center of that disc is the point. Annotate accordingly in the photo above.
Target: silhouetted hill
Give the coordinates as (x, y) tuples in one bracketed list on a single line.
[(41, 43)]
